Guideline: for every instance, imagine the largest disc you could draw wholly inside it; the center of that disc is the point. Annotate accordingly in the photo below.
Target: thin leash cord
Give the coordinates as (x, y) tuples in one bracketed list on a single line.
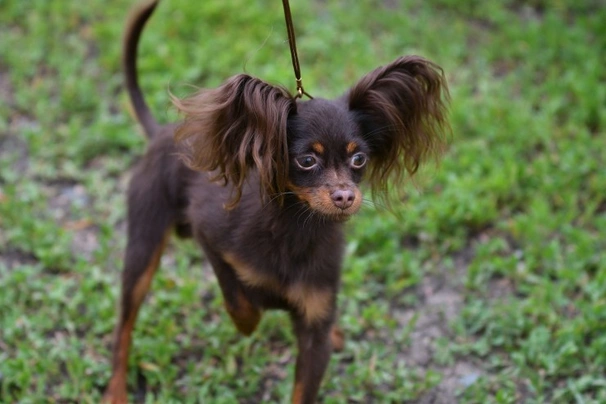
[(293, 51)]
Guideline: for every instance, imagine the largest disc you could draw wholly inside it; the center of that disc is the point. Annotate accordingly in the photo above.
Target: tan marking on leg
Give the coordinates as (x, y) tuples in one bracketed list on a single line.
[(116, 388), (318, 198), (337, 338), (142, 287), (351, 147), (115, 392), (314, 304), (318, 147), (297, 393), (246, 317)]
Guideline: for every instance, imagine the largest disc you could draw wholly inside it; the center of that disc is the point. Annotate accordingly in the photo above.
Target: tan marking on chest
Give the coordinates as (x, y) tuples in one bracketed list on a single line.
[(249, 276), (314, 304)]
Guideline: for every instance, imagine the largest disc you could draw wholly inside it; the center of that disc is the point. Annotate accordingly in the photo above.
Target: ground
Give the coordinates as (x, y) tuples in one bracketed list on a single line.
[(486, 284)]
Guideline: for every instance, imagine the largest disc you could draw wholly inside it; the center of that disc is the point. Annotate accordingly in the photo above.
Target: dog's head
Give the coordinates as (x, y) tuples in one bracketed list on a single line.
[(383, 128)]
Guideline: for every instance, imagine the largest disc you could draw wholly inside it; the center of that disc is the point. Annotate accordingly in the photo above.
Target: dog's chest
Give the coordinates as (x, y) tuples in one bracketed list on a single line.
[(310, 297)]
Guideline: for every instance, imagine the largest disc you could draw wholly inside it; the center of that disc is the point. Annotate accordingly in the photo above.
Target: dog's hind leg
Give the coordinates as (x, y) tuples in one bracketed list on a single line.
[(150, 220)]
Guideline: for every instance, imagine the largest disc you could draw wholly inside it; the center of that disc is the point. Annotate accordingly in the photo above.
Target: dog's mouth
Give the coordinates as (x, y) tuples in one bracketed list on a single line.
[(331, 214), (341, 217)]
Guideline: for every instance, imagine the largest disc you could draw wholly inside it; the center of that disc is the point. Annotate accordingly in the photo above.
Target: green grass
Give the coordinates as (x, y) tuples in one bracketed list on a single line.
[(511, 226)]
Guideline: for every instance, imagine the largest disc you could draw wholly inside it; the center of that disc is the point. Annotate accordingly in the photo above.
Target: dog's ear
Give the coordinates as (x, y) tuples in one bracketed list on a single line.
[(402, 113), (240, 125)]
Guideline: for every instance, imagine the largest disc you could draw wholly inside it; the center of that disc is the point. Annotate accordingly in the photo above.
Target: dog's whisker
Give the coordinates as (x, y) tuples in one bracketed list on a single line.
[(275, 197), (378, 130), (374, 203)]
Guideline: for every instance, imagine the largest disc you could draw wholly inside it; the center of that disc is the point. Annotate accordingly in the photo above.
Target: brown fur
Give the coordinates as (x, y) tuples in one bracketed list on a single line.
[(404, 110), (244, 314), (245, 120), (337, 338), (117, 385), (318, 148), (264, 183)]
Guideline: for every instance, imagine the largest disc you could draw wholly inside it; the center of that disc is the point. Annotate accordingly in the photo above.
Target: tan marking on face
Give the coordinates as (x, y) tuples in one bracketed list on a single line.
[(351, 147), (298, 191), (318, 198), (318, 147), (314, 304), (357, 203)]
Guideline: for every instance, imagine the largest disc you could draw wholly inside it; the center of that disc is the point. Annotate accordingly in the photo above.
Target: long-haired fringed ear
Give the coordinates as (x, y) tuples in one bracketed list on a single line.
[(241, 124), (401, 109)]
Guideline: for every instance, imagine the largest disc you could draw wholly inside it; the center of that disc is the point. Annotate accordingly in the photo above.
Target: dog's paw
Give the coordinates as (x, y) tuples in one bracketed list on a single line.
[(116, 392)]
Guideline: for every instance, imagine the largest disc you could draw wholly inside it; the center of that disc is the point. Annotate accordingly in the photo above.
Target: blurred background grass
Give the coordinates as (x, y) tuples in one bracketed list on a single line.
[(489, 285)]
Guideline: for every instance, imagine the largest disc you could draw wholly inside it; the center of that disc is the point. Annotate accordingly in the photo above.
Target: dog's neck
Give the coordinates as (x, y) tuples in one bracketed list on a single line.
[(302, 232), (302, 228)]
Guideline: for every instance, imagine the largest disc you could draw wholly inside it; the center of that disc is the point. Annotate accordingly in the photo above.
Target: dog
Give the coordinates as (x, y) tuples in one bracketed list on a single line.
[(264, 183)]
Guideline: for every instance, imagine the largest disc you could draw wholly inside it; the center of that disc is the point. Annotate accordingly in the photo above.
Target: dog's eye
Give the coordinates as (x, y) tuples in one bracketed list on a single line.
[(358, 160), (306, 162)]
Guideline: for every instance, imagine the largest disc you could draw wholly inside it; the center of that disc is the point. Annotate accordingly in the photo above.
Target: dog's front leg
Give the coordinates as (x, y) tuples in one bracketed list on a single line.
[(315, 347), (243, 312)]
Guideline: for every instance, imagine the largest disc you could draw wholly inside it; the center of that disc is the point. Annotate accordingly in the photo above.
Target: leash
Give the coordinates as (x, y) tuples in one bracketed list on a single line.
[(293, 51)]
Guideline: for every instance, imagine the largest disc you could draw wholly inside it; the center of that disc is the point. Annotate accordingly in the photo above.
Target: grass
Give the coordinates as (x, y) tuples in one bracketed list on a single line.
[(511, 227)]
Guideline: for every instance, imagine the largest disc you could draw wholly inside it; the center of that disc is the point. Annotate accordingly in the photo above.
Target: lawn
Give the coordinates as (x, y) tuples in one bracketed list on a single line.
[(487, 284)]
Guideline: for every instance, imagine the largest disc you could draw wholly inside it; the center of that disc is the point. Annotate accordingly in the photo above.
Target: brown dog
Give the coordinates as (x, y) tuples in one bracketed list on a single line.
[(264, 184)]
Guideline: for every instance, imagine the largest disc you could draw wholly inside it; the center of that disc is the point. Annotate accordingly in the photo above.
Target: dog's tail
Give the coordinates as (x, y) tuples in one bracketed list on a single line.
[(134, 27)]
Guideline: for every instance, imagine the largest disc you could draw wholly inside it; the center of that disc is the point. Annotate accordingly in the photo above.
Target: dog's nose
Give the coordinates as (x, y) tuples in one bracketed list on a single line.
[(343, 198)]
